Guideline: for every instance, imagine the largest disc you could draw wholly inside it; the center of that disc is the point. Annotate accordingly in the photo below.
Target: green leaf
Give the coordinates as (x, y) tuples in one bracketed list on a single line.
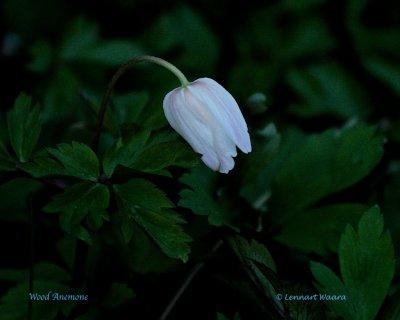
[(24, 127), (143, 194), (388, 72), (142, 254), (200, 197), (82, 200), (309, 37), (78, 160), (367, 264), (220, 316), (252, 251), (109, 53), (146, 205), (322, 165), (124, 153), (318, 230), (253, 255), (60, 95), (261, 165), (42, 165), (119, 293), (46, 271), (159, 156), (80, 35), (149, 154), (165, 229), (185, 30), (82, 43), (128, 107), (328, 89), (14, 303), (7, 163)]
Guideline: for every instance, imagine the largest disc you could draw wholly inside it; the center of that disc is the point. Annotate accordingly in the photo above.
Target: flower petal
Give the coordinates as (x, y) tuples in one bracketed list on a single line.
[(225, 108)]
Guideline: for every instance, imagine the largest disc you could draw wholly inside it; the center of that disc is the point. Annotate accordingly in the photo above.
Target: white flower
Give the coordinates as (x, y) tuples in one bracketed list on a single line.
[(209, 119)]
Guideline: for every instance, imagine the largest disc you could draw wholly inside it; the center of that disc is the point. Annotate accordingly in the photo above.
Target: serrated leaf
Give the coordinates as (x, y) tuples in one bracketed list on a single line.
[(42, 165), (367, 267), (200, 197), (165, 229), (78, 160), (147, 206), (142, 253), (124, 153), (250, 251), (253, 255), (82, 200), (162, 155), (140, 193), (24, 127)]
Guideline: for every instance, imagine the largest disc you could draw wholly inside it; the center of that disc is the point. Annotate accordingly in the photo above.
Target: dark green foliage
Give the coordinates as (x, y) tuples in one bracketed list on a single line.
[(327, 89), (77, 159), (50, 278), (24, 127), (322, 237), (141, 201), (82, 200), (367, 266), (138, 220), (201, 200)]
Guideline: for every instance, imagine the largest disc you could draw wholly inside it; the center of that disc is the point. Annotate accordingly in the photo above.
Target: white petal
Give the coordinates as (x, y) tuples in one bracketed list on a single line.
[(190, 126), (226, 109), (227, 164), (222, 144), (209, 119), (211, 160)]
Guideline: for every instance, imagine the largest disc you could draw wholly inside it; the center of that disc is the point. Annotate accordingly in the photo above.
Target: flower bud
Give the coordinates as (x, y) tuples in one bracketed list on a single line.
[(209, 119)]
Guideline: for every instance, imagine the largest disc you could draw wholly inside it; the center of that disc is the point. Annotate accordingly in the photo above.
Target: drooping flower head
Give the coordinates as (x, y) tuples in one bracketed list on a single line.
[(209, 119)]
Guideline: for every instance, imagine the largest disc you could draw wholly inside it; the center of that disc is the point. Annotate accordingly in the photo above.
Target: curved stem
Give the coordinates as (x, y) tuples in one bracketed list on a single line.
[(125, 67)]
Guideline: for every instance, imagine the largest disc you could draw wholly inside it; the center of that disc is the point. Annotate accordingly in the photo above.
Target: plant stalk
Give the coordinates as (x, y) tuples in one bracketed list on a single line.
[(110, 88)]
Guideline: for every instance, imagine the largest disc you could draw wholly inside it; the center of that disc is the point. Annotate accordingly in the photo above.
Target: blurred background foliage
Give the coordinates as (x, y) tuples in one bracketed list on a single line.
[(306, 212)]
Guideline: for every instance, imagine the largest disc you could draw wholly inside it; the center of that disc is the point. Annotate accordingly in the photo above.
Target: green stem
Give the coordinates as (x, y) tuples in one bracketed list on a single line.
[(125, 67)]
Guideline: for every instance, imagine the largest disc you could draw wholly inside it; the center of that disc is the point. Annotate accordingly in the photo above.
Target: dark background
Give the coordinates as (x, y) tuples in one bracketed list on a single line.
[(249, 47)]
